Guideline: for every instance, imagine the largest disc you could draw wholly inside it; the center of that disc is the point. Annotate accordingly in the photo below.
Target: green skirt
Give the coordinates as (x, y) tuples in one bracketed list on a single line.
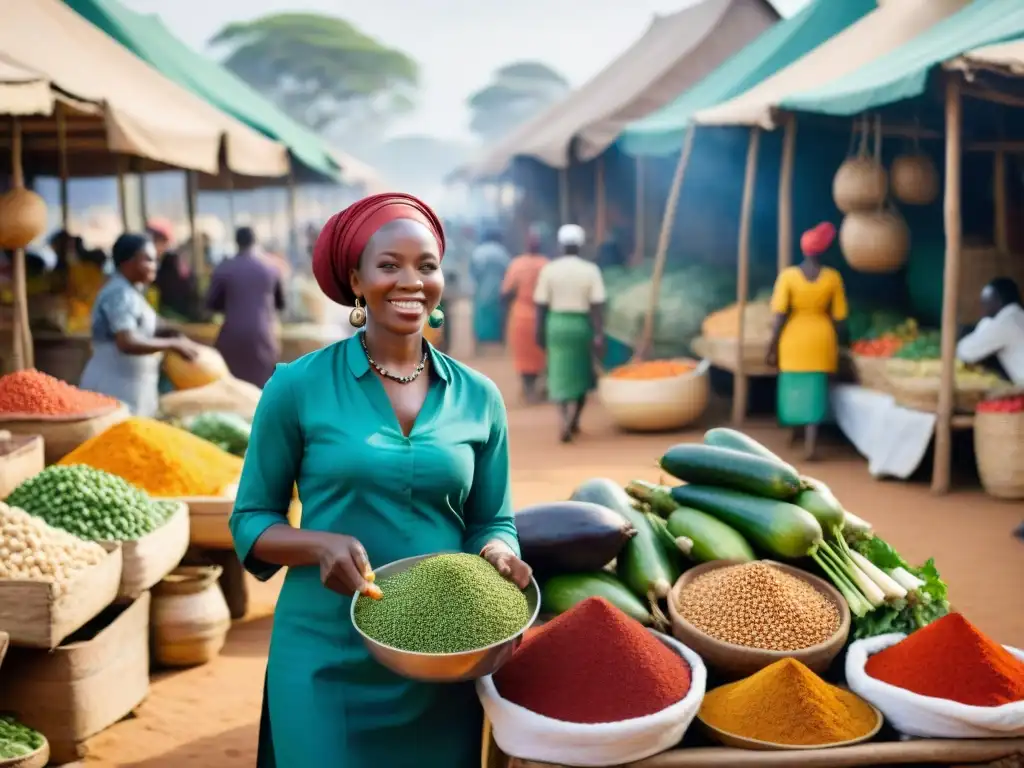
[(570, 347), (802, 398)]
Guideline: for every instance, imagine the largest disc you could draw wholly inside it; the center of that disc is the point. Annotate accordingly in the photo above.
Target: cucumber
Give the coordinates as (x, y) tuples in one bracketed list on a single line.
[(777, 527), (712, 539), (729, 468), (642, 564), (819, 500), (673, 548), (560, 593), (723, 437)]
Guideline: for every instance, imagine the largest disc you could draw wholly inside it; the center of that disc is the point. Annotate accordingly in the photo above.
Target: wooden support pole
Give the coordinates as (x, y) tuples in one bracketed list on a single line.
[(643, 345), (640, 215), (122, 193), (62, 162), (232, 204), (143, 197), (563, 195), (950, 287), (785, 255), (293, 218), (600, 203), (1002, 238), (191, 206), (21, 347), (741, 382)]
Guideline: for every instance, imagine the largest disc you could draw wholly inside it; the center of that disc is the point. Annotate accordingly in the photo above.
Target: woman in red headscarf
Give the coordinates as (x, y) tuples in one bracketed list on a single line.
[(809, 302), (397, 450)]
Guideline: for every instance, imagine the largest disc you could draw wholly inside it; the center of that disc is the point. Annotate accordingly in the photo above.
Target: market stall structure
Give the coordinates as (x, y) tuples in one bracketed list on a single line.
[(847, 77)]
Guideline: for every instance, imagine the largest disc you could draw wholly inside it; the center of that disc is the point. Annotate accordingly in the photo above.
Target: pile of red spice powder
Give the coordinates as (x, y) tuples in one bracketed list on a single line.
[(951, 659), (593, 664), (33, 392)]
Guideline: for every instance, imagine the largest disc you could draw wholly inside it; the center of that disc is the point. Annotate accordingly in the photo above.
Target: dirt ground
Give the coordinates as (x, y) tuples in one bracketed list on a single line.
[(208, 717)]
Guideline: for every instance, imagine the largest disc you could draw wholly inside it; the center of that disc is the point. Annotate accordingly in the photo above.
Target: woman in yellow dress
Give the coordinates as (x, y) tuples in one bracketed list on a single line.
[(809, 303)]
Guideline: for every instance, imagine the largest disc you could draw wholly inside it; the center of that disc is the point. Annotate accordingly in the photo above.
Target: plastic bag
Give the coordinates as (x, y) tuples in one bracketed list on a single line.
[(924, 716), (528, 736)]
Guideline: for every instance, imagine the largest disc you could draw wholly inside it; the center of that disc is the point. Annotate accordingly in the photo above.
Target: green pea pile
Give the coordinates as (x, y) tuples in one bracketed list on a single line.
[(91, 504), (444, 604), (17, 740)]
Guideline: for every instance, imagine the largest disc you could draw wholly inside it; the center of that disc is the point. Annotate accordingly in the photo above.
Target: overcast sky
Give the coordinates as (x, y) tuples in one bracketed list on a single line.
[(458, 43)]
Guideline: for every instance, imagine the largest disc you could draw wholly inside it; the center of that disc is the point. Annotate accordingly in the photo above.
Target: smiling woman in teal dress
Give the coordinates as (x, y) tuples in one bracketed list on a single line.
[(397, 450)]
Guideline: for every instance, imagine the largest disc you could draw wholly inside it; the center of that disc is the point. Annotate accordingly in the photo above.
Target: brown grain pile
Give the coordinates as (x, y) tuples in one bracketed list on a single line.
[(758, 606)]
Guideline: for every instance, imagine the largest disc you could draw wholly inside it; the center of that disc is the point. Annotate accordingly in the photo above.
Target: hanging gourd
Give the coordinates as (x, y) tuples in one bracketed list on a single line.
[(875, 241), (914, 178), (861, 183), (22, 218)]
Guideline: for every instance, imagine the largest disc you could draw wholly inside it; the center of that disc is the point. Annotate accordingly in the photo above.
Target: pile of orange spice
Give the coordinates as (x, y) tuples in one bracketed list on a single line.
[(653, 369), (32, 392), (951, 659)]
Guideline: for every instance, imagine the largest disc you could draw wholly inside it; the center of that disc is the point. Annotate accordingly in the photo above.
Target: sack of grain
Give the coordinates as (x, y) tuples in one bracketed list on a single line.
[(228, 395)]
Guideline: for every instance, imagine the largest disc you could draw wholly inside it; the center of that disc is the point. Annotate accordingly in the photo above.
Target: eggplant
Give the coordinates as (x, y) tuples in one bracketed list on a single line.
[(571, 536)]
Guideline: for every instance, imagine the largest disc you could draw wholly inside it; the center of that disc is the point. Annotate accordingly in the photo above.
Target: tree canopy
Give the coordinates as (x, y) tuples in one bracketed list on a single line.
[(321, 70), (515, 93)]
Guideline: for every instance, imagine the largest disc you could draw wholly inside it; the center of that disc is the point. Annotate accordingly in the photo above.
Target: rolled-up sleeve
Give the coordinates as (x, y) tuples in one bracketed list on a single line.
[(489, 513), (118, 309), (985, 340), (271, 467)]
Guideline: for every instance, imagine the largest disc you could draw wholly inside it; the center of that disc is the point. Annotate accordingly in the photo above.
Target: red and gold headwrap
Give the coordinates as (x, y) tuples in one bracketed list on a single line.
[(815, 242), (344, 237)]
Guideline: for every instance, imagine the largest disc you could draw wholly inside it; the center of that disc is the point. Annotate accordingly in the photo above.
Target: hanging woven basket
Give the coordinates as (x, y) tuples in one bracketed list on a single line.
[(876, 242)]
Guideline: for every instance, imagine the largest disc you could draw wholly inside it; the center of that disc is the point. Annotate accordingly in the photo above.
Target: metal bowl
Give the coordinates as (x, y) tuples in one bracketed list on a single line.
[(444, 667)]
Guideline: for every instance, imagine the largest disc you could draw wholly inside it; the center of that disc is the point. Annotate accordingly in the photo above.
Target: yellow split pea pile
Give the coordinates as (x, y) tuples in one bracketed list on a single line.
[(759, 606)]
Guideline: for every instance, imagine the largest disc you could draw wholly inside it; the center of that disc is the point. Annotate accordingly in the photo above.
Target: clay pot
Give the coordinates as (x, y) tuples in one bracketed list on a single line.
[(190, 619), (22, 218)]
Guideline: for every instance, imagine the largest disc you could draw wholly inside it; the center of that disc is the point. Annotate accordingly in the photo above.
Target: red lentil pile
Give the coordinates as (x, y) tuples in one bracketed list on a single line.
[(951, 659), (593, 664), (31, 392)]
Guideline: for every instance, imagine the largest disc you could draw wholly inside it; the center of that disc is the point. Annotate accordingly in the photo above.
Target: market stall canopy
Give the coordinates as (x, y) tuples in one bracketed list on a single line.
[(661, 133), (903, 73), (23, 91), (857, 49), (145, 114), (675, 53), (148, 38)]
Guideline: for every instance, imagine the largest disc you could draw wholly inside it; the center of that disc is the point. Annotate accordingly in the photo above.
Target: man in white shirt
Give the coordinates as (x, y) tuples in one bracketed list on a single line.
[(1001, 332)]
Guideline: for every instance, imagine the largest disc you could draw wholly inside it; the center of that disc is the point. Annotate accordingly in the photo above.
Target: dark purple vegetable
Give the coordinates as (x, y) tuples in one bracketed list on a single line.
[(571, 536)]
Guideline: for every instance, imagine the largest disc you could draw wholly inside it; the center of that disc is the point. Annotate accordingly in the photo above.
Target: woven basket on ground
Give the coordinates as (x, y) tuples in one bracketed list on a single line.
[(871, 371), (999, 450)]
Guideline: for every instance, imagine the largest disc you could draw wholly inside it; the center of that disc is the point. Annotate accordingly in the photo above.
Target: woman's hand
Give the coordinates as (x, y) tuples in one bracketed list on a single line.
[(185, 348), (344, 565), (772, 358), (498, 554), (599, 346)]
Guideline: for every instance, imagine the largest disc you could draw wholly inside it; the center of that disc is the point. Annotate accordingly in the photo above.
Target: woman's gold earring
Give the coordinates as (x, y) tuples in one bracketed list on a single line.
[(357, 317)]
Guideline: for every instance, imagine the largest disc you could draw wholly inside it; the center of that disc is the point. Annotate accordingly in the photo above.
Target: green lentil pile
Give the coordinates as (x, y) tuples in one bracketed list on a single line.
[(92, 504), (758, 606), (444, 604), (17, 740)]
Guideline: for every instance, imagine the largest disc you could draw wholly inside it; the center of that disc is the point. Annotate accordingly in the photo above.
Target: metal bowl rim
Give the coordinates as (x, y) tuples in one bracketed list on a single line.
[(355, 598)]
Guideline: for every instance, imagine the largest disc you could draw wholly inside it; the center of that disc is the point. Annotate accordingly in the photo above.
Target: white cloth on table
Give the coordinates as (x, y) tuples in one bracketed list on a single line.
[(892, 438)]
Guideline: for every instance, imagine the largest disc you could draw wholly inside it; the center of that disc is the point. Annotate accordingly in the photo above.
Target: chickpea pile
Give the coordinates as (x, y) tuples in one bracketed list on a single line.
[(30, 549), (758, 606)]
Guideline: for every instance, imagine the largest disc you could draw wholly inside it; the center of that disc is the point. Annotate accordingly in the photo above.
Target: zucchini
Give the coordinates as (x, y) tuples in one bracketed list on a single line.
[(723, 437), (777, 527), (699, 535), (729, 468), (560, 593), (675, 548), (642, 565), (819, 500), (712, 539), (570, 536)]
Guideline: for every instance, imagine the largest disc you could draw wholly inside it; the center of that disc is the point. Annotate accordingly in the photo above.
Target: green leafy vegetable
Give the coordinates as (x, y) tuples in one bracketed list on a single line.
[(921, 606)]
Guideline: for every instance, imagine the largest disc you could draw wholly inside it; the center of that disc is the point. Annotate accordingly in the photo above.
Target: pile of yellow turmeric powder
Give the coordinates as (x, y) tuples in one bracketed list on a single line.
[(786, 703), (162, 460)]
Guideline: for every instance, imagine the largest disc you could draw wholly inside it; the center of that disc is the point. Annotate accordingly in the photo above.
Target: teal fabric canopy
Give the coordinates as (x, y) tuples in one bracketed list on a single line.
[(151, 41), (903, 73), (661, 133)]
